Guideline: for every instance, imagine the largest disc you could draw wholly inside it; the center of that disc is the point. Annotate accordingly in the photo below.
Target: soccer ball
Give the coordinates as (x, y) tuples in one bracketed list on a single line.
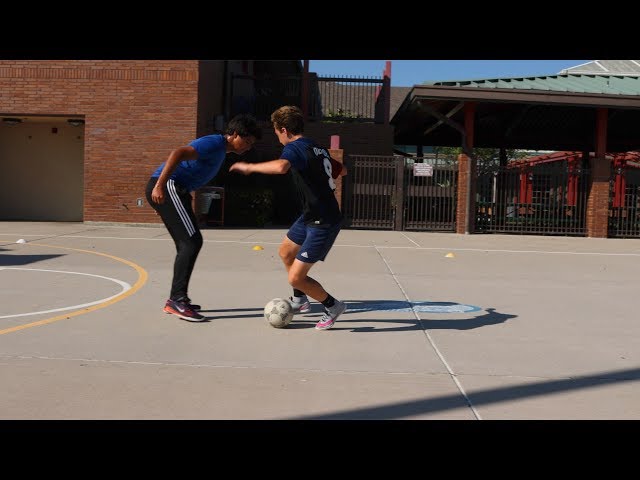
[(278, 312)]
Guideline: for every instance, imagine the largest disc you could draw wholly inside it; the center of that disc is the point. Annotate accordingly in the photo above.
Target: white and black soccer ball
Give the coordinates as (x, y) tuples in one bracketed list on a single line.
[(278, 312)]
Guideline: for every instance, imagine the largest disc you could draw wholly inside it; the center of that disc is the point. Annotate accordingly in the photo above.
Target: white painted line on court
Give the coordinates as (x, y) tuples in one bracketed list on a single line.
[(452, 374), (241, 367), (142, 279), (415, 243), (125, 286), (25, 234), (168, 238), (448, 249)]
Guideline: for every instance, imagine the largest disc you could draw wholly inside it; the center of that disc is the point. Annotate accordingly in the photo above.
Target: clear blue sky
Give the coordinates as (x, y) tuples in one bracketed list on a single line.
[(407, 73)]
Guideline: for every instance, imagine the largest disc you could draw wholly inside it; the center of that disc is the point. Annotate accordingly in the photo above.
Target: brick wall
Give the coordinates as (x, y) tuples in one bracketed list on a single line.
[(598, 200), (135, 111)]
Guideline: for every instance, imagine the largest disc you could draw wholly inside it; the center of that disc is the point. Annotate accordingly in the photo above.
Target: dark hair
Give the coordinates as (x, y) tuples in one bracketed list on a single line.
[(244, 125)]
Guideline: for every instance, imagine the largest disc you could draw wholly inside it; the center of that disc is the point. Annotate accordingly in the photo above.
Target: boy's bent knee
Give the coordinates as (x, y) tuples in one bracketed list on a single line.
[(296, 281)]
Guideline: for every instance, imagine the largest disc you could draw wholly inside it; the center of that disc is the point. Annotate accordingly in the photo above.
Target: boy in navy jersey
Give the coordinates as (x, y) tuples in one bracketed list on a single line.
[(312, 235), (169, 192)]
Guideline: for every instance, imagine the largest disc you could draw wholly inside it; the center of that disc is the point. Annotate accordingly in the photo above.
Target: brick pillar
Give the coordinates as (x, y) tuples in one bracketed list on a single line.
[(461, 206), (598, 201), (338, 155)]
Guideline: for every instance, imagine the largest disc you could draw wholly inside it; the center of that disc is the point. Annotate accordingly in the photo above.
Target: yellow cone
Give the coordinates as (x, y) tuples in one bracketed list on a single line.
[(258, 247), (450, 255)]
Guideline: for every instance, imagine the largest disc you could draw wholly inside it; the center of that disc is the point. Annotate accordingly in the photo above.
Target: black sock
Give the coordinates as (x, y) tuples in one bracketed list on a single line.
[(298, 293), (329, 301)]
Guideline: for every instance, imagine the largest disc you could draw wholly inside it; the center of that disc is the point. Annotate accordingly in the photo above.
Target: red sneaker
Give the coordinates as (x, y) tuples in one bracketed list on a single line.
[(183, 310)]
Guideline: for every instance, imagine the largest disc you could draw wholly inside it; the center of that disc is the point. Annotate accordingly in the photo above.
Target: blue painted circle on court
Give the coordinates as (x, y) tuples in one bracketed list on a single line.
[(402, 306)]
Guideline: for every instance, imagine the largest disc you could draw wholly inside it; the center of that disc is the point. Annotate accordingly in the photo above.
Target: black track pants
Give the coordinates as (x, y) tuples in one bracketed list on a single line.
[(177, 214)]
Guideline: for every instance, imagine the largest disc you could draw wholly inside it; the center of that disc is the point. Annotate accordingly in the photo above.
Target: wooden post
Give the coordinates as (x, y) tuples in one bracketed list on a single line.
[(472, 174)]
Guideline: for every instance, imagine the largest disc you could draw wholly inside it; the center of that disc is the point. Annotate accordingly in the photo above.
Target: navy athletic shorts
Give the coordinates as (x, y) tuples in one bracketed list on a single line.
[(315, 241)]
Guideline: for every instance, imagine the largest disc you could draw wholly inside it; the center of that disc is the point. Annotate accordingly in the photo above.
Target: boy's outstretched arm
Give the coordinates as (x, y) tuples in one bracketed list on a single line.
[(272, 167)]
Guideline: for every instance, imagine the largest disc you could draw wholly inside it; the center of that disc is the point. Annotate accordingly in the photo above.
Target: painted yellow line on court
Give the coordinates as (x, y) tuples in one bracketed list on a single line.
[(142, 279)]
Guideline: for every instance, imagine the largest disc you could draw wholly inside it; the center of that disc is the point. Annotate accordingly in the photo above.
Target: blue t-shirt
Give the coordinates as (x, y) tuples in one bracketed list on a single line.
[(193, 174)]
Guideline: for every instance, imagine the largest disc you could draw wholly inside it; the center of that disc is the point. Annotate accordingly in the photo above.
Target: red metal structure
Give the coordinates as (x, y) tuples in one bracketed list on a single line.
[(619, 161)]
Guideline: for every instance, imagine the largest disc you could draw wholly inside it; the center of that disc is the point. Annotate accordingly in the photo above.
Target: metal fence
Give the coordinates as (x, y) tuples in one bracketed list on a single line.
[(400, 193), (430, 193), (339, 99), (403, 193), (624, 202), (370, 191), (350, 99), (541, 199)]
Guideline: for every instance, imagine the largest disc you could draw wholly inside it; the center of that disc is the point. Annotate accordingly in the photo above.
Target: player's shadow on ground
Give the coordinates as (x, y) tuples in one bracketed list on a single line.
[(12, 260), (214, 313), (309, 320), (489, 317)]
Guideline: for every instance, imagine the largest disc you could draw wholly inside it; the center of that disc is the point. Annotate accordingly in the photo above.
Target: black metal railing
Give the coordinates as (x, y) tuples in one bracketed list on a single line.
[(543, 199), (430, 192), (624, 203), (332, 99), (370, 192), (346, 99), (400, 193)]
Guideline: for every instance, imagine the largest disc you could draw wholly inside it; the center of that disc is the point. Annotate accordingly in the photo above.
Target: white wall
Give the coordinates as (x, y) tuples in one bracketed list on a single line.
[(42, 171)]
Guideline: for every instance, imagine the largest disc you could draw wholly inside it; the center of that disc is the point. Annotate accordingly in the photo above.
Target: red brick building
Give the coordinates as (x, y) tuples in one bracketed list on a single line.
[(134, 113), (127, 117)]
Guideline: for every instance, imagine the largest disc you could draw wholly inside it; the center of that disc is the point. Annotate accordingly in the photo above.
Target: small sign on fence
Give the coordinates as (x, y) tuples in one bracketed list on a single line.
[(422, 170)]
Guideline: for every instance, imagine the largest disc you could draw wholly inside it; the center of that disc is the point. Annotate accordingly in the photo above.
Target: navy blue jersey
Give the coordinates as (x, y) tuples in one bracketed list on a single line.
[(193, 174), (313, 171)]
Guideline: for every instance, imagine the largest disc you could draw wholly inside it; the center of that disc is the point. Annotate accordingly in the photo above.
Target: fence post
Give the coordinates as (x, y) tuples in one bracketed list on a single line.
[(398, 213)]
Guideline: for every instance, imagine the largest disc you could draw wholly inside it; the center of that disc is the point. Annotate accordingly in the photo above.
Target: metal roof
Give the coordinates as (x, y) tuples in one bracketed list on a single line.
[(523, 118), (570, 83), (606, 67)]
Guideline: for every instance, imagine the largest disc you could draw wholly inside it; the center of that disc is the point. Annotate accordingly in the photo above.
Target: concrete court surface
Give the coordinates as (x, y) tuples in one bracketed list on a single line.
[(439, 326)]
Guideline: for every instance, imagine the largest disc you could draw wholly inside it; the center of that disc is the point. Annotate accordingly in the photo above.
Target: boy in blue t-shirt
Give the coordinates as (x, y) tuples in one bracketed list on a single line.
[(169, 193), (312, 235)]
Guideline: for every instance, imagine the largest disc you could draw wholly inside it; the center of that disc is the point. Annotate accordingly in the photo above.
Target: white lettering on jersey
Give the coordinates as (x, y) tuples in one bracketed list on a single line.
[(327, 168), (327, 164)]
